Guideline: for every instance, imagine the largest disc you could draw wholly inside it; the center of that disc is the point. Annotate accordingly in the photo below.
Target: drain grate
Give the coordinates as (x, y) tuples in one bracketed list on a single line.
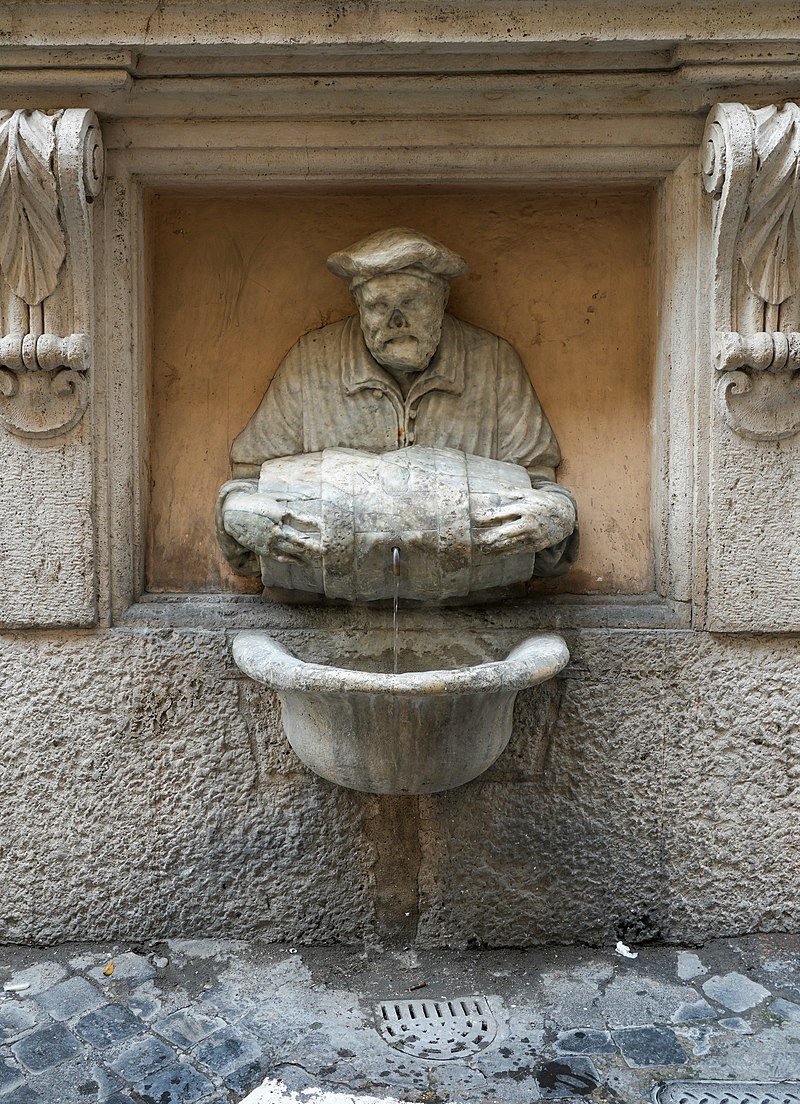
[(727, 1092), (440, 1030)]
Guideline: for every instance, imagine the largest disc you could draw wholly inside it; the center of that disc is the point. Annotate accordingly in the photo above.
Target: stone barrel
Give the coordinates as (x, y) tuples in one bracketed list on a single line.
[(418, 499)]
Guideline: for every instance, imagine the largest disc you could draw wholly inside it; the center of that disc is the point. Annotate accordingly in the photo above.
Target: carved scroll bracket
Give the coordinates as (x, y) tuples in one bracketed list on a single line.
[(51, 171), (751, 170)]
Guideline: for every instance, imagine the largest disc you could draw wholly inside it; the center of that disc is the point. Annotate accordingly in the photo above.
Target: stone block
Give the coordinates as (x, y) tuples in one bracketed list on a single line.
[(70, 998), (177, 1084), (735, 991), (584, 1041), (142, 1057), (27, 1094), (10, 1075), (567, 1077), (649, 1046), (14, 1018), (188, 1026), (128, 967), (108, 1026), (227, 1050), (46, 1047)]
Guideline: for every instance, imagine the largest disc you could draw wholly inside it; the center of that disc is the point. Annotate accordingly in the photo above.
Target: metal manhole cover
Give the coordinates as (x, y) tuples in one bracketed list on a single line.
[(438, 1030), (727, 1092)]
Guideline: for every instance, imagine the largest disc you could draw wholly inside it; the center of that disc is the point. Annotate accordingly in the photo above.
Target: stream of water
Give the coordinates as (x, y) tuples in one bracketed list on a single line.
[(396, 575)]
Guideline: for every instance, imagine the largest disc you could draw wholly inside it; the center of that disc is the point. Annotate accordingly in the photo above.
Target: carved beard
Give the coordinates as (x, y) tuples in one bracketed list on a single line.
[(404, 350)]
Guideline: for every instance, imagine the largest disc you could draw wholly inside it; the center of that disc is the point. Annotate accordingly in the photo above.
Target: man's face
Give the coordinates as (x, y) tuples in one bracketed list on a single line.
[(401, 318)]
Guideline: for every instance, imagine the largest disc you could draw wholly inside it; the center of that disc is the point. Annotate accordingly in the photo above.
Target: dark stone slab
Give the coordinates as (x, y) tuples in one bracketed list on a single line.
[(226, 1050), (24, 1095), (69, 998), (142, 1057), (585, 1040), (113, 1024), (248, 1077), (15, 1018), (10, 1074), (649, 1046), (569, 1077), (47, 1047), (178, 1084), (188, 1026)]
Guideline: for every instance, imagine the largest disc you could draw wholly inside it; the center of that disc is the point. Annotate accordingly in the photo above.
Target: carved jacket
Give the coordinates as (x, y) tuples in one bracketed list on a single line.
[(474, 396)]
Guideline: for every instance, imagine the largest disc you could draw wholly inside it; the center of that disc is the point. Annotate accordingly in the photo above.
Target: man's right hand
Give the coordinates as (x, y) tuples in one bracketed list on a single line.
[(269, 529)]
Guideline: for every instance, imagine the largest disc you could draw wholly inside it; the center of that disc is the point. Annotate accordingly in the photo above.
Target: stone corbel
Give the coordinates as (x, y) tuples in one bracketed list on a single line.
[(51, 170), (751, 169)]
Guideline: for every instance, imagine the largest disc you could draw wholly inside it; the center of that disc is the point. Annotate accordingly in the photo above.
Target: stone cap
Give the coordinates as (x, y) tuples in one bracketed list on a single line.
[(393, 250)]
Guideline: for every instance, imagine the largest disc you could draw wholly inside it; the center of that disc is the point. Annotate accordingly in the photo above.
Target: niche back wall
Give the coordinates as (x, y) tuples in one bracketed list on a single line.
[(565, 277)]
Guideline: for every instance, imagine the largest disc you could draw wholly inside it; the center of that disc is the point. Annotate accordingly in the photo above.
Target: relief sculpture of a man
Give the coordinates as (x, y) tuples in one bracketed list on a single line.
[(401, 372)]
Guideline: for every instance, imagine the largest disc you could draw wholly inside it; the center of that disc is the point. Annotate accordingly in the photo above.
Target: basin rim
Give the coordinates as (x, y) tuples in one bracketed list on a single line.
[(538, 658)]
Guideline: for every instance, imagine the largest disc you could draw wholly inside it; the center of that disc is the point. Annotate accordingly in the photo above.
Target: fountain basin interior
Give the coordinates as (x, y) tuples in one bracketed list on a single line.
[(437, 724)]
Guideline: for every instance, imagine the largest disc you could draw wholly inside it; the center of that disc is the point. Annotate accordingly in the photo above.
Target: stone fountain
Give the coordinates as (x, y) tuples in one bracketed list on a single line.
[(399, 454)]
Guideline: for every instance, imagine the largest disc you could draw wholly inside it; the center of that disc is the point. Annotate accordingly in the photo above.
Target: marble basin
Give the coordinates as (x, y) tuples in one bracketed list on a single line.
[(416, 732)]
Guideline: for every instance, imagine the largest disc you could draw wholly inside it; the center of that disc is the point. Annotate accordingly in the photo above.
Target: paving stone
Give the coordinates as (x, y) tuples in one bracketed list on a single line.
[(248, 1077), (14, 1018), (188, 1026), (40, 976), (226, 1001), (786, 1009), (737, 1025), (585, 1040), (178, 1084), (567, 1077), (693, 1012), (649, 1046), (146, 1001), (690, 966), (10, 1075), (101, 1082), (226, 1050), (735, 991), (142, 1057), (70, 998), (25, 1094), (109, 1025), (130, 968), (46, 1047)]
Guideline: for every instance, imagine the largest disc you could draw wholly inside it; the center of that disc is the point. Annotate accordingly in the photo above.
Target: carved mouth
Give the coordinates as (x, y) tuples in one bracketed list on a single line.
[(398, 338)]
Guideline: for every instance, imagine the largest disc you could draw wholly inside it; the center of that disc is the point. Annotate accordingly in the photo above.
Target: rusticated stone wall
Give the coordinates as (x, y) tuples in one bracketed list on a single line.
[(148, 790)]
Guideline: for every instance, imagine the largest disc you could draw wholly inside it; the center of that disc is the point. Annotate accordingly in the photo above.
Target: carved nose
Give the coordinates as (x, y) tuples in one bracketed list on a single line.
[(397, 320)]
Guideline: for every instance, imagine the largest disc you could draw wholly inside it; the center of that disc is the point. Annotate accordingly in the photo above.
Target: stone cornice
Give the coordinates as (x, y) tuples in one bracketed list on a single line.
[(140, 23)]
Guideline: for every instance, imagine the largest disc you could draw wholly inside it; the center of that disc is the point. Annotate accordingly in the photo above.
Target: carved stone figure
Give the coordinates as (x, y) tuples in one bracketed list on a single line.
[(400, 373)]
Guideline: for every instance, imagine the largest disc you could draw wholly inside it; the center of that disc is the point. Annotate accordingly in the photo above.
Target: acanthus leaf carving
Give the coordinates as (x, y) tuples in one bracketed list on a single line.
[(51, 170), (32, 242), (751, 169), (770, 230)]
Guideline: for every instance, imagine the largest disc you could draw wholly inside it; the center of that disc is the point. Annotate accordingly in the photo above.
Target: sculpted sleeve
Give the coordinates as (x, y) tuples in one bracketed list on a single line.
[(524, 437), (276, 428)]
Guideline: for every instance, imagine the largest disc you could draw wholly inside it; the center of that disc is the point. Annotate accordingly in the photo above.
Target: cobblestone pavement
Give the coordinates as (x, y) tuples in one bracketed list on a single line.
[(208, 1021)]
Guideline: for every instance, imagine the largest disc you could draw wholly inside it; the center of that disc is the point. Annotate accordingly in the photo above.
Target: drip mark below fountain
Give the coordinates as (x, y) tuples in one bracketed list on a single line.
[(396, 575)]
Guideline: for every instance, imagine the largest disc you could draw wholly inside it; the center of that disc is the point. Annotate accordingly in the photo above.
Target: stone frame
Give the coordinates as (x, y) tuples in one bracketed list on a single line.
[(641, 109), (122, 323)]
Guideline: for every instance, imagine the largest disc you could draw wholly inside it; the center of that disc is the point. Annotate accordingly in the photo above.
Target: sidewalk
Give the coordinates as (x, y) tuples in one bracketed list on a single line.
[(211, 1022)]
